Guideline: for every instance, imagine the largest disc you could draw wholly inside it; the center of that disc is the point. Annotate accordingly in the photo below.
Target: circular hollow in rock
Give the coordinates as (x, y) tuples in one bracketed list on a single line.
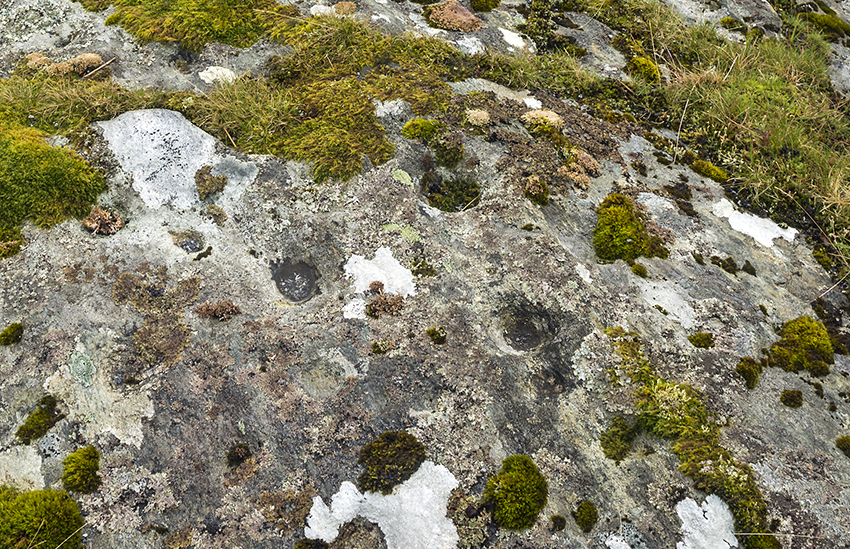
[(525, 328), (296, 280)]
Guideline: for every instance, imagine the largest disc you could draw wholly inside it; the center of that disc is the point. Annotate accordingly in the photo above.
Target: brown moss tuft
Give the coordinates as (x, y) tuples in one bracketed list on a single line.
[(220, 310), (453, 17), (100, 221)]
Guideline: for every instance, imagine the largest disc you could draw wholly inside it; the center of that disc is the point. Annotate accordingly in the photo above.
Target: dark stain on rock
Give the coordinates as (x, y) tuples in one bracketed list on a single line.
[(296, 280)]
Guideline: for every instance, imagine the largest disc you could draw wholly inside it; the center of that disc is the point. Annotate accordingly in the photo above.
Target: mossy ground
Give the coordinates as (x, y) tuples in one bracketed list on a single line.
[(518, 493), (675, 411), (40, 518), (389, 460)]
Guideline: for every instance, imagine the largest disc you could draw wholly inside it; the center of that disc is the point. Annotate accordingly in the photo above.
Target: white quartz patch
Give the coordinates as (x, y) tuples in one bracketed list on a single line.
[(513, 39), (709, 526), (319, 9), (616, 542), (582, 271), (162, 151), (671, 297), (213, 75), (470, 45), (412, 517), (383, 268), (532, 103), (761, 229)]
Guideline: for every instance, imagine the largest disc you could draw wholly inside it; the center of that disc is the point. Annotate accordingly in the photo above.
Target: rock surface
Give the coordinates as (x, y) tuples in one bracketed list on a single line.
[(517, 287)]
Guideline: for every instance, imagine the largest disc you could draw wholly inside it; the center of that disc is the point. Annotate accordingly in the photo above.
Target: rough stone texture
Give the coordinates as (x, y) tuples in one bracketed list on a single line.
[(523, 369)]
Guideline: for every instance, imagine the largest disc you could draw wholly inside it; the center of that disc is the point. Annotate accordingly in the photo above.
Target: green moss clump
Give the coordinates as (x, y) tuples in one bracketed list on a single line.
[(559, 522), (421, 128), (698, 258), (80, 473), (40, 183), (822, 256), (311, 544), (793, 398), (389, 461), (750, 370), (238, 454), (40, 518), (586, 516), (833, 27), (621, 232), (381, 347), (729, 265), (448, 149), (640, 270), (805, 345), (707, 169), (732, 24), (454, 195), (536, 190), (11, 334), (645, 69), (208, 184), (518, 493), (617, 441), (39, 421), (485, 5), (748, 268), (195, 23), (843, 444), (703, 340), (437, 334)]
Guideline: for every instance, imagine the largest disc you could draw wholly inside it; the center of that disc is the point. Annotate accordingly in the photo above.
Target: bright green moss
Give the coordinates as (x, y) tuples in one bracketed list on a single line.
[(805, 345), (750, 370), (420, 128), (703, 340), (833, 27), (640, 270), (11, 334), (843, 444), (621, 232), (40, 183), (617, 441), (586, 516), (44, 518), (39, 421), (822, 256), (80, 473), (644, 68), (793, 398), (732, 24), (518, 493), (195, 23), (706, 168), (485, 5), (390, 460)]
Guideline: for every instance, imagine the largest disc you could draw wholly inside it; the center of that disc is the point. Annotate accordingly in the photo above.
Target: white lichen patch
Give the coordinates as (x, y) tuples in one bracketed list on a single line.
[(709, 526), (162, 151), (470, 45), (355, 309), (763, 230), (671, 297), (532, 103), (512, 38), (20, 466), (99, 408), (383, 268), (217, 75), (412, 517), (583, 273)]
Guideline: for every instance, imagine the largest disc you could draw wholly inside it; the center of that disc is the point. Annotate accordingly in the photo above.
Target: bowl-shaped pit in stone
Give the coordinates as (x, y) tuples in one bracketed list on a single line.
[(296, 280)]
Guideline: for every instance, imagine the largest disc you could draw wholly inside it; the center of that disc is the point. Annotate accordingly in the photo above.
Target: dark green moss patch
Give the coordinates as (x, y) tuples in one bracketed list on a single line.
[(437, 334), (559, 522), (311, 544), (617, 441), (748, 268), (389, 460), (698, 258), (40, 518), (703, 340), (536, 190), (485, 5), (40, 420), (420, 267), (644, 68), (822, 256), (639, 270), (40, 183), (805, 345), (208, 184), (733, 25), (586, 516), (11, 334), (750, 370), (237, 455), (729, 265), (621, 232), (843, 444), (381, 347), (517, 493), (793, 398), (80, 472), (454, 195)]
